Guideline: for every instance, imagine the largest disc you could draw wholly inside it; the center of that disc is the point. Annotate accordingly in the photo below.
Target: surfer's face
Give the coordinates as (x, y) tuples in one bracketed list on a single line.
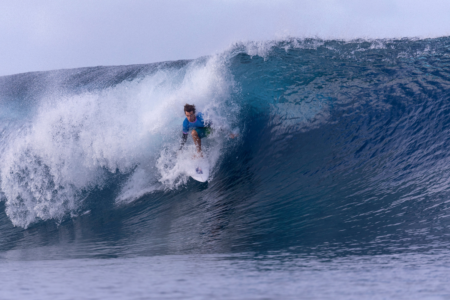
[(190, 115)]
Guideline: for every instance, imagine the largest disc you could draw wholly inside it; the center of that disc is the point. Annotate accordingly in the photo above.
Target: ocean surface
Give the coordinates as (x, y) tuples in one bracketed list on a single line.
[(337, 185)]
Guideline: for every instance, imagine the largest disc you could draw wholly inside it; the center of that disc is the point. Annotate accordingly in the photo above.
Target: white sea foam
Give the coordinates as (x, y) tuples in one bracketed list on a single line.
[(74, 142)]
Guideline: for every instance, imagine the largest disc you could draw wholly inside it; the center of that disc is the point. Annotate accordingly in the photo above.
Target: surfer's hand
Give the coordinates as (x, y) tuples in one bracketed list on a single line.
[(232, 135)]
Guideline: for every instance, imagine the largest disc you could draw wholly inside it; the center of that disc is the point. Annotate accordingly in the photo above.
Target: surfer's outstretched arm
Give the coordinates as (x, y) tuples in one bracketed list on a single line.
[(230, 133), (183, 140)]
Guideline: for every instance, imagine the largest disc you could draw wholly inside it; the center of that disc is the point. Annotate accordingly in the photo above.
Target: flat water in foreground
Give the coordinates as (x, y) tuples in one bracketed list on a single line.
[(239, 276)]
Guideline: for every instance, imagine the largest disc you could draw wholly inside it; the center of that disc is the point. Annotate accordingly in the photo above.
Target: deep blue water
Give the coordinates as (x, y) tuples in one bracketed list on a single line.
[(341, 160)]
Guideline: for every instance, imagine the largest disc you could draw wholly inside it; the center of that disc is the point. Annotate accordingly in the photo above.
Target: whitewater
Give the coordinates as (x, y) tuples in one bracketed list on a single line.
[(336, 187)]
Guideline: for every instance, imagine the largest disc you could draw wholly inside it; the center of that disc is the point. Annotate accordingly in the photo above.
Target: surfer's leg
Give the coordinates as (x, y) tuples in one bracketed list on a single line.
[(197, 141)]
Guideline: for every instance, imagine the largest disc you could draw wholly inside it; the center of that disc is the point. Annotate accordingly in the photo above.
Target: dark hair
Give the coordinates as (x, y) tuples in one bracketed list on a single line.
[(188, 108)]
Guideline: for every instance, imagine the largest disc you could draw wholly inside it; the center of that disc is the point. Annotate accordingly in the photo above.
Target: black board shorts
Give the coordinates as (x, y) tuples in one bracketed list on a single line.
[(203, 131)]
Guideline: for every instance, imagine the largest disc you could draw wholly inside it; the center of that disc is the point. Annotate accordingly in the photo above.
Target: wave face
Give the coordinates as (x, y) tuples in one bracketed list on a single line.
[(340, 144)]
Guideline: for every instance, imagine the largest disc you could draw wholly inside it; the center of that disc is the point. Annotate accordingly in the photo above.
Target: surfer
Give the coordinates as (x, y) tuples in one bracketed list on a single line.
[(197, 126)]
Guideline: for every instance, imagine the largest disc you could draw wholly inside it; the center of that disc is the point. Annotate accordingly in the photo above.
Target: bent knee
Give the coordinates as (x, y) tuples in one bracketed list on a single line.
[(194, 133)]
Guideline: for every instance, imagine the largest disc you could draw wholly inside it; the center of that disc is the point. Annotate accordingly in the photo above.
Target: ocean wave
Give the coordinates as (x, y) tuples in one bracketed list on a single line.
[(339, 141)]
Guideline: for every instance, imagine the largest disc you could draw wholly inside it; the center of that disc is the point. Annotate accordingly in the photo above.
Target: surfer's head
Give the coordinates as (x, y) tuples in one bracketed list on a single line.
[(189, 111)]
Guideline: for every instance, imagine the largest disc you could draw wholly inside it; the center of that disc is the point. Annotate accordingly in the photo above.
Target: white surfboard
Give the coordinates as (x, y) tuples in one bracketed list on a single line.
[(199, 170)]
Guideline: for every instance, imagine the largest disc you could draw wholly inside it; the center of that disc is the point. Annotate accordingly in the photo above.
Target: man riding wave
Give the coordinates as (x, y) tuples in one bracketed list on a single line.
[(198, 127)]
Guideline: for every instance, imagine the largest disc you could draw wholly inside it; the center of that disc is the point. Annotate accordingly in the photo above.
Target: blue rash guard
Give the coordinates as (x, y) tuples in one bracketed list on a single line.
[(199, 122)]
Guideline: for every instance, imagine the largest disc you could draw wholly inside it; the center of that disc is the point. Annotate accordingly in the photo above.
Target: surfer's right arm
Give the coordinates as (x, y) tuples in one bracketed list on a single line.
[(185, 133), (183, 140)]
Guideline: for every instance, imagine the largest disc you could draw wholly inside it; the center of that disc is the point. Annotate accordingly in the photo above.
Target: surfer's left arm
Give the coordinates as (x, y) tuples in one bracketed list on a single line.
[(227, 131)]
